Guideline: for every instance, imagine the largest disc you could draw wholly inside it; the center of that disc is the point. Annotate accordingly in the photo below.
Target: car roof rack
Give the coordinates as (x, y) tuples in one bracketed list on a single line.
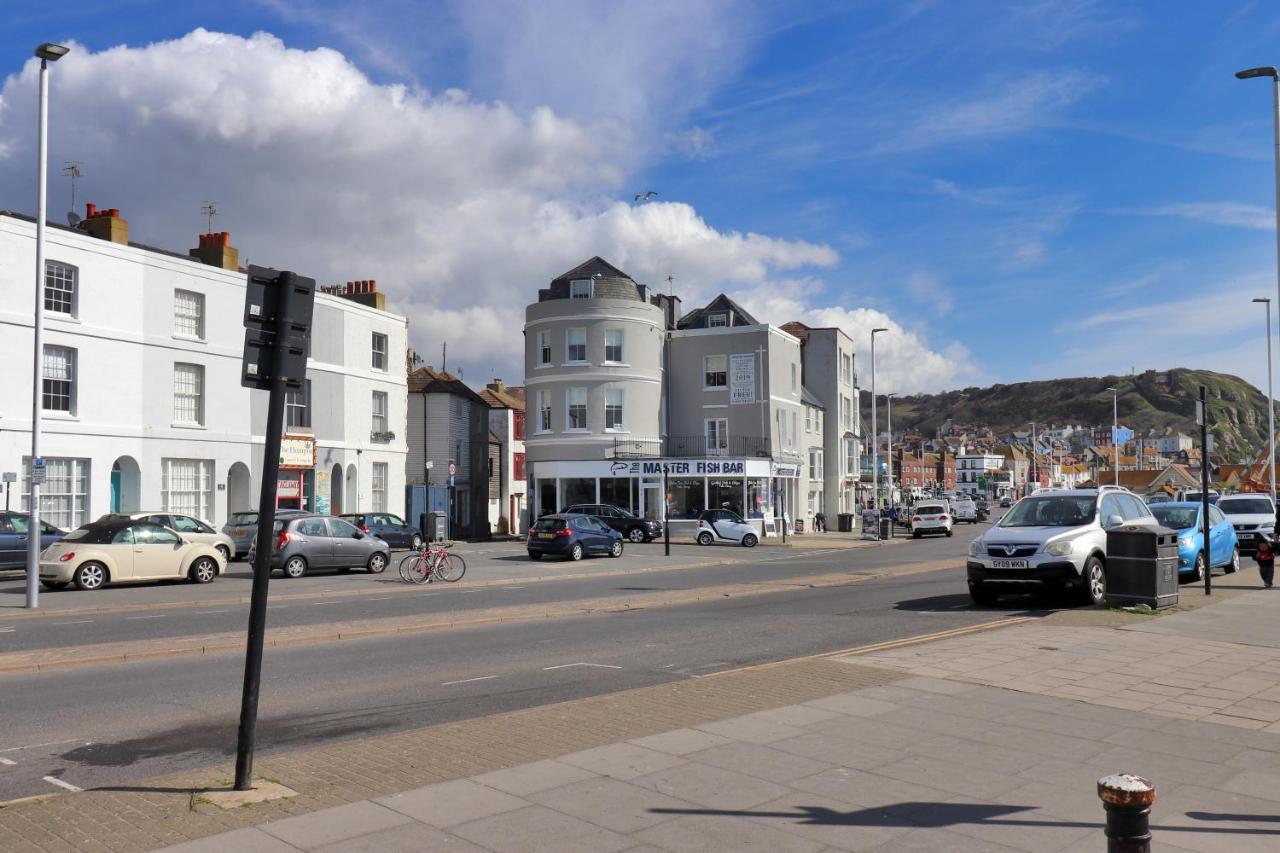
[(1111, 488)]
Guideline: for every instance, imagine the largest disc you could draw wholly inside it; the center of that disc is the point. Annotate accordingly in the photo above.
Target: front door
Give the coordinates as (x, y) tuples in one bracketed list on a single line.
[(115, 488), (651, 501)]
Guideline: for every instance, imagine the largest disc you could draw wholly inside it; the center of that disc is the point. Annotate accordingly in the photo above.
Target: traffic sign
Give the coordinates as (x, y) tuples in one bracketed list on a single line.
[(37, 471), (453, 468), (10, 477)]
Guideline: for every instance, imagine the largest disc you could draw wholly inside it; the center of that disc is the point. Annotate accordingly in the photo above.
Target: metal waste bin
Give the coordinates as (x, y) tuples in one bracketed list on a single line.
[(1142, 567), (886, 528), (844, 522), (437, 527)]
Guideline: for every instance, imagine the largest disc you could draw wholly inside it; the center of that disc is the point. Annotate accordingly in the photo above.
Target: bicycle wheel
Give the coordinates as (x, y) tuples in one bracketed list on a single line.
[(452, 568), (427, 569), (411, 568)]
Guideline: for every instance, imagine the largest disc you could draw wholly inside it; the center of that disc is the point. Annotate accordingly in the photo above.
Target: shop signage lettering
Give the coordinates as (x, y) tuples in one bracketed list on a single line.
[(742, 377), (714, 466)]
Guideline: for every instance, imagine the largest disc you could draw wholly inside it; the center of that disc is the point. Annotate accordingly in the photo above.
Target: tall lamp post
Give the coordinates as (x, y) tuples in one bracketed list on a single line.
[(875, 438), (47, 53), (1115, 431), (1271, 403), (889, 449)]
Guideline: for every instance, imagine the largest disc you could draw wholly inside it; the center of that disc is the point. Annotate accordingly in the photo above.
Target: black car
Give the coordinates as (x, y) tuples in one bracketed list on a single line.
[(633, 527), (387, 527), (572, 535)]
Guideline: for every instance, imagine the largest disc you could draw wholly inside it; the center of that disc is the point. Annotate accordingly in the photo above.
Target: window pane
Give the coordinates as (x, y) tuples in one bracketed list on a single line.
[(716, 370), (577, 408), (64, 497), (379, 487), (544, 347), (188, 394), (59, 378), (379, 351), (580, 288), (613, 345), (188, 313), (613, 401), (297, 406), (187, 486), (379, 411), (59, 288), (576, 345)]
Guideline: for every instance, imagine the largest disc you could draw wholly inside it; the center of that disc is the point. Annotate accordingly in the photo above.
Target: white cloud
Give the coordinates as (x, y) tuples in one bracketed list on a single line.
[(1228, 213), (460, 209)]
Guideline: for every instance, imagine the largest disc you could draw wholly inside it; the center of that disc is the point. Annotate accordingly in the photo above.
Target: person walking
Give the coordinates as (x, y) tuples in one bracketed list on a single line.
[(1265, 557)]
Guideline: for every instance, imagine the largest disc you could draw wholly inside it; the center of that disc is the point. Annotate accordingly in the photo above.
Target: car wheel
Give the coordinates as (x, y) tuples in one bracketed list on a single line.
[(615, 550), (534, 555), (948, 533), (1234, 565), (575, 553), (1095, 581), (202, 570), (90, 576), (1197, 573), (982, 594), (377, 564), (296, 567), (750, 541), (54, 585), (636, 535), (915, 534), (705, 538), (416, 543), (225, 552)]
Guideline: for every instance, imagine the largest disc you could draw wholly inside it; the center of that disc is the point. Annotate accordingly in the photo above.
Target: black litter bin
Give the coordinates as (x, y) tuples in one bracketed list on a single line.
[(1142, 567), (844, 522), (886, 528)]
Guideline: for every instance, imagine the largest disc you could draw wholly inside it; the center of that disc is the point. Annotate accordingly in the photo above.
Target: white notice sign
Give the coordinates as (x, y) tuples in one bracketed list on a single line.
[(742, 378)]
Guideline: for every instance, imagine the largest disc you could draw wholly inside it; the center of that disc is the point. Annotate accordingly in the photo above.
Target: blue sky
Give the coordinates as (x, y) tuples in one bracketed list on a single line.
[(1022, 190)]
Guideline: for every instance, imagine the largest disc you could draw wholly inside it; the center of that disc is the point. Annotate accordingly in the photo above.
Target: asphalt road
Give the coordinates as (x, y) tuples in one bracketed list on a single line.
[(111, 725)]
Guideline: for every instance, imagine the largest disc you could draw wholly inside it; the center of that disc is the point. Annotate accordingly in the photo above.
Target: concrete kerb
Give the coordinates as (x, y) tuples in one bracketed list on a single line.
[(126, 652)]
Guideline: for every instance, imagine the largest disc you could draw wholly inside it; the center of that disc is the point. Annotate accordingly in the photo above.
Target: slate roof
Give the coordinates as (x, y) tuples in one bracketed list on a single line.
[(427, 380), (738, 316)]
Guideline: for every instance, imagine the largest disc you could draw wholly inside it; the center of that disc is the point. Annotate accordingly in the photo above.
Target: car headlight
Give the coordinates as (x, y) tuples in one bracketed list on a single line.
[(1060, 549), (975, 548), (1185, 541)]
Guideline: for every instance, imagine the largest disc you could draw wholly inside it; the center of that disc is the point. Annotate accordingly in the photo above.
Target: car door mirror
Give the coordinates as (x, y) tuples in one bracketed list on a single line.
[(357, 535), (1114, 521)]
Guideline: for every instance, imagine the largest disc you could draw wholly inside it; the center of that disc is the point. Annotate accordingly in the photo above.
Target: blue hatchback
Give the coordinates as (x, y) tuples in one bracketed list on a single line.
[(13, 538), (573, 536), (1184, 517)]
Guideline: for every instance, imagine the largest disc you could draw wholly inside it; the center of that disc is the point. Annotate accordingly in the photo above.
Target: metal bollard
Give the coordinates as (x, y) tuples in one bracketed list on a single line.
[(1127, 799)]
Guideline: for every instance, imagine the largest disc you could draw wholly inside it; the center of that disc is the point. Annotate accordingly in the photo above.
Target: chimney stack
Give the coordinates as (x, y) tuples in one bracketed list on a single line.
[(105, 224), (216, 250), (497, 386), (365, 292)]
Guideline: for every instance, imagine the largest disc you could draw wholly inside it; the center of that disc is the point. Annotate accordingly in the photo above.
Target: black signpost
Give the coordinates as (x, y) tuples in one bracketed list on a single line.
[(277, 320), (1202, 415)]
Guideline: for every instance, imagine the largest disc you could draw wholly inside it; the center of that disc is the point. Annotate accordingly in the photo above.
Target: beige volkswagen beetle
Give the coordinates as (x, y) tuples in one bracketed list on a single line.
[(118, 549), (188, 527)]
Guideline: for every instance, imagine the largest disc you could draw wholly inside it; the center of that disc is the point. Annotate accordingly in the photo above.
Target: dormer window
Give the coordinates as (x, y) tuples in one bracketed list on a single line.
[(580, 288), (719, 319)]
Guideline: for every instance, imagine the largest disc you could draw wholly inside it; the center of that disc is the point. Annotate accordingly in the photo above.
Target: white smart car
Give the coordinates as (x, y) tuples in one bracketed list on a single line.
[(723, 525)]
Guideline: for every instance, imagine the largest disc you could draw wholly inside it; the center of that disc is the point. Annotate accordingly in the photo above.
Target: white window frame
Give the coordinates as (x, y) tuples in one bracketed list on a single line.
[(544, 349), (570, 404), (816, 470), (620, 396), (64, 497), (544, 412), (706, 372), (576, 289), (377, 355), (718, 320), (378, 486), (297, 406), (795, 381), (620, 346), (808, 419), (569, 345), (66, 280), (58, 358), (186, 487), (379, 419), (188, 405), (716, 433), (188, 323)]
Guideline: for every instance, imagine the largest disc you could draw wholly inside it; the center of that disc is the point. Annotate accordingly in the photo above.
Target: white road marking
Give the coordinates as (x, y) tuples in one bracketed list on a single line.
[(160, 616), (8, 761), (567, 665), (49, 743), (323, 603), (207, 612), (76, 622), (513, 587), (7, 630), (381, 598), (469, 680), (53, 780)]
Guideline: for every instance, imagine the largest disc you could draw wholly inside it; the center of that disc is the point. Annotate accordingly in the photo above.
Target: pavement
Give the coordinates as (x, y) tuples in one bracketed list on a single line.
[(988, 736)]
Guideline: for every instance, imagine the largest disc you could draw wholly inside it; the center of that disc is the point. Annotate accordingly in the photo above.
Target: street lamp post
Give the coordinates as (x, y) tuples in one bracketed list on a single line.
[(46, 53), (875, 439), (889, 402), (1271, 404), (1115, 431), (1035, 463)]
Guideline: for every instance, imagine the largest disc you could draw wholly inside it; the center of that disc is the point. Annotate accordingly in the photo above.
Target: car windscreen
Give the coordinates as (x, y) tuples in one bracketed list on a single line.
[(243, 518), (1245, 506), (548, 525), (1175, 517), (1198, 497), (1056, 511)]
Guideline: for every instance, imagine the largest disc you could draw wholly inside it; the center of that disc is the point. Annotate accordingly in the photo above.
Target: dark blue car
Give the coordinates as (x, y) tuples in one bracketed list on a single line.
[(387, 527), (573, 536), (13, 538)]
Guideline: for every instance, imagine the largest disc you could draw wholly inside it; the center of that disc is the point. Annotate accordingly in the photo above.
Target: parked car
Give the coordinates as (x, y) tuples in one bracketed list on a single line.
[(1184, 517), (242, 527), (189, 528), (1252, 516), (1005, 503), (390, 528), (306, 542), (633, 527), (572, 535), (1196, 497), (14, 540), (1157, 498), (965, 510), (984, 510), (1053, 540), (931, 517), (119, 548), (725, 525)]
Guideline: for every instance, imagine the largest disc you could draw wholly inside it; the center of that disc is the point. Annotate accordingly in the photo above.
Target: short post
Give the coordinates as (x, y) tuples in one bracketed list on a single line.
[(666, 515), (1127, 800)]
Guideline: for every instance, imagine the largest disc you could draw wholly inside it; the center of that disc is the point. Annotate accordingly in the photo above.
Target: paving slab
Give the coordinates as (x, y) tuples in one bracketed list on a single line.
[(329, 826)]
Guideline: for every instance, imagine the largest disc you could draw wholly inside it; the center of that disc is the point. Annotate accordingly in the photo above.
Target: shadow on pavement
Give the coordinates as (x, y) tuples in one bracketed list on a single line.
[(1018, 605)]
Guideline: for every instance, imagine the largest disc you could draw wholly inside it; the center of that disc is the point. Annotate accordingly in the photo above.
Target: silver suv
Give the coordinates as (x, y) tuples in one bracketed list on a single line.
[(1054, 539), (306, 542)]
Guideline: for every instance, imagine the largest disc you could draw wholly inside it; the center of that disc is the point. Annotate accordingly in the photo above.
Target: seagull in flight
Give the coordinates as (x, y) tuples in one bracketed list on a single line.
[(646, 196)]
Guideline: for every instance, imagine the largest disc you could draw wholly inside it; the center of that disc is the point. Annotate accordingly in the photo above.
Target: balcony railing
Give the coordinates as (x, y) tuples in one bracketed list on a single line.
[(698, 447)]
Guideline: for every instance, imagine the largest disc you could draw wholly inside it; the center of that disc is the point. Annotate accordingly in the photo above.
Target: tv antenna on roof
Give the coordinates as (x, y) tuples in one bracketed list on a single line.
[(670, 284), (210, 210), (72, 170)]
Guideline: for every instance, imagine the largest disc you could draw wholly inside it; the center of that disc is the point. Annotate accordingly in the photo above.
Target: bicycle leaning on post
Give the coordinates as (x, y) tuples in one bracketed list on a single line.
[(432, 563)]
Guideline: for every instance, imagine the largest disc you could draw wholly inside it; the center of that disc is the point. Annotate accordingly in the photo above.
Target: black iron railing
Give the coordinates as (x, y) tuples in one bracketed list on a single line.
[(698, 447)]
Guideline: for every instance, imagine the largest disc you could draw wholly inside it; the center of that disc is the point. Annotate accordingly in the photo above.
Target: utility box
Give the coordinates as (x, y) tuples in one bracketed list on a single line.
[(1142, 567), (437, 526)]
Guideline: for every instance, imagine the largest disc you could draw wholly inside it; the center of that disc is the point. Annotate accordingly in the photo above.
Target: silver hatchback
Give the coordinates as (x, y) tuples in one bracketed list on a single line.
[(307, 542)]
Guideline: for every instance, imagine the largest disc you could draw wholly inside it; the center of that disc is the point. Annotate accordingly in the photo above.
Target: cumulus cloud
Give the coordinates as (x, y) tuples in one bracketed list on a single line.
[(460, 208)]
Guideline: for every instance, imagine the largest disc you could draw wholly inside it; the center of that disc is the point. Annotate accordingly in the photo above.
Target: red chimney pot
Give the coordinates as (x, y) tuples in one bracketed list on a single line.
[(90, 209)]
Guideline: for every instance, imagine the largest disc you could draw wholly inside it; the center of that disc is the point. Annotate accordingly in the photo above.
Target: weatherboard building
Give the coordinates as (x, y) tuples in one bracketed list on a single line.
[(623, 388)]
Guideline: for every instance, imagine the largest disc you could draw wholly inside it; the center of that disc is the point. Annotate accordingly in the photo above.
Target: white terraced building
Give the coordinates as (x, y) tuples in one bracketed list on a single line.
[(143, 407)]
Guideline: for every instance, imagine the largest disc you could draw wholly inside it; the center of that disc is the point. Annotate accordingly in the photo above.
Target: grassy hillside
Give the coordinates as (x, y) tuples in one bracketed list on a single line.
[(1154, 399)]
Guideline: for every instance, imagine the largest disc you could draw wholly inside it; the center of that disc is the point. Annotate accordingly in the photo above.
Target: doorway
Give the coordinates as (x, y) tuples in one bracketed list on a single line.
[(335, 491), (126, 485), (239, 490)]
